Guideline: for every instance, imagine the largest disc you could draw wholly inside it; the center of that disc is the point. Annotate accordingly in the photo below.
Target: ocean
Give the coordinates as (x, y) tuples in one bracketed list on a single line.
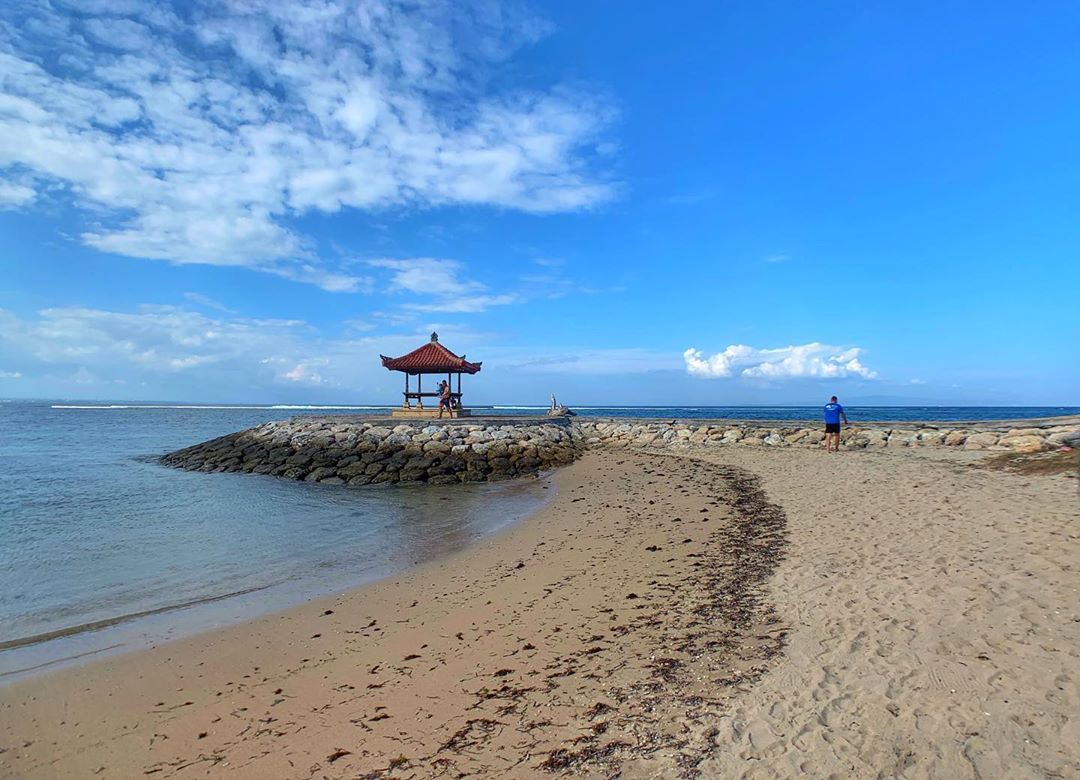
[(102, 548), (865, 413), (107, 549)]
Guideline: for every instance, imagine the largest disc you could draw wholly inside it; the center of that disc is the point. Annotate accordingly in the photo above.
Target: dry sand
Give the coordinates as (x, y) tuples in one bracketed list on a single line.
[(870, 614)]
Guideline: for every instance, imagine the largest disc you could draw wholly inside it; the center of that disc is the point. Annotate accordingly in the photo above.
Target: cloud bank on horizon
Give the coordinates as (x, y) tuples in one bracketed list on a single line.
[(199, 133), (94, 348)]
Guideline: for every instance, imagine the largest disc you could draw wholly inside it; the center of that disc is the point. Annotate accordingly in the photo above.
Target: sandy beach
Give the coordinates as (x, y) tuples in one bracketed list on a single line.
[(730, 613)]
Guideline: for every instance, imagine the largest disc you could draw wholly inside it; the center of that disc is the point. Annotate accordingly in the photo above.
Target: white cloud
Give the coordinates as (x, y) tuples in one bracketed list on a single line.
[(591, 362), (195, 354), (84, 377), (158, 339), (445, 287), (359, 325), (200, 141), (208, 302), (10, 375), (442, 281), (427, 276), (185, 348), (306, 372), (122, 34), (321, 277), (14, 195), (805, 360), (465, 304)]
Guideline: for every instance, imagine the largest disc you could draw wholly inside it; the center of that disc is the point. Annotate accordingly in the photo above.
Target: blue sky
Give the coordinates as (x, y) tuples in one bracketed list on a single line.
[(620, 203)]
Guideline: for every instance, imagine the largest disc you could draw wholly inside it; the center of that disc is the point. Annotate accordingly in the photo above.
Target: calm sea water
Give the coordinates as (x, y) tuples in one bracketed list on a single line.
[(877, 413), (93, 530)]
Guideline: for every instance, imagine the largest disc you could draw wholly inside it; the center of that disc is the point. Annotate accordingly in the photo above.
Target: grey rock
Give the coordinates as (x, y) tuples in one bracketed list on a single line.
[(319, 474)]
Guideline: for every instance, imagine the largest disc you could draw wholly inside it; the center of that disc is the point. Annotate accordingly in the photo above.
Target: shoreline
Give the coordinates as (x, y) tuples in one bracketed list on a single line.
[(918, 609), (69, 646), (506, 624), (97, 625)]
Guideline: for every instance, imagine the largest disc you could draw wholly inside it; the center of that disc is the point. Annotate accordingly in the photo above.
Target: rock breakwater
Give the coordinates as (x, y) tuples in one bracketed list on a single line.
[(1012, 436), (365, 451), (360, 451)]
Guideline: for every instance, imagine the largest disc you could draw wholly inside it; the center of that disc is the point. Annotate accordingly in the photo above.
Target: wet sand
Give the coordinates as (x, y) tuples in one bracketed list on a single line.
[(594, 633), (735, 613)]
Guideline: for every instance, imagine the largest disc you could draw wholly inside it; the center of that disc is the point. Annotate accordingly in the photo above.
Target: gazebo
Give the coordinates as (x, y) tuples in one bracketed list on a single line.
[(432, 358)]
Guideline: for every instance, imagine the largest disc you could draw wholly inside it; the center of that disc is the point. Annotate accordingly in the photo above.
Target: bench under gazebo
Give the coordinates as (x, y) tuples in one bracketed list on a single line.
[(432, 358)]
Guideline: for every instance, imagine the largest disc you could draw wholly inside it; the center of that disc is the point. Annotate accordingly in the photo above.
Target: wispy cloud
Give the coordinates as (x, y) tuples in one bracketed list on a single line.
[(198, 136), (465, 304), (805, 360), (591, 361), (778, 258), (13, 195), (208, 302), (156, 341), (181, 347), (220, 353), (162, 339), (306, 372), (442, 283), (359, 326)]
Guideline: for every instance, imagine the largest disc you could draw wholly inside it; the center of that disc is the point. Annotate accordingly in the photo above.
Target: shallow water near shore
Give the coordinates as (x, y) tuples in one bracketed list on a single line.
[(102, 547)]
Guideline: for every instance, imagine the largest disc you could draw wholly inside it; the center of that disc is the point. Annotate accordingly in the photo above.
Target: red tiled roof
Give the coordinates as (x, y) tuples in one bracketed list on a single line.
[(432, 358)]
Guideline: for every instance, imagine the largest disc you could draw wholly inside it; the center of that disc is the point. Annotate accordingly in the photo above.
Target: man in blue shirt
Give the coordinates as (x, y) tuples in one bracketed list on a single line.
[(833, 413)]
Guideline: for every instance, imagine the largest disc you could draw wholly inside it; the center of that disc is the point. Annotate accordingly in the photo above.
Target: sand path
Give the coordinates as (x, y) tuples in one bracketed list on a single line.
[(935, 623)]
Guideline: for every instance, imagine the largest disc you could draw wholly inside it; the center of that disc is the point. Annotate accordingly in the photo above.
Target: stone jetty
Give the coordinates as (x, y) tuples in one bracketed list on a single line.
[(1027, 436), (337, 450), (356, 451)]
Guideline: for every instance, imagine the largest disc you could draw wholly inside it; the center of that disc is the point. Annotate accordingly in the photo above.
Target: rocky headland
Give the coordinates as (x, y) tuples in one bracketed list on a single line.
[(358, 451)]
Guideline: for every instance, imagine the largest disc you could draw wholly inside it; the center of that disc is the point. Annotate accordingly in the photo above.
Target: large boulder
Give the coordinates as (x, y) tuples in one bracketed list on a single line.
[(320, 474), (1024, 443), (980, 441), (1064, 439)]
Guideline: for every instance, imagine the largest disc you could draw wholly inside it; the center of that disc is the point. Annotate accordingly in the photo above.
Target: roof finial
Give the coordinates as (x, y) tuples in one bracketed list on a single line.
[(434, 336)]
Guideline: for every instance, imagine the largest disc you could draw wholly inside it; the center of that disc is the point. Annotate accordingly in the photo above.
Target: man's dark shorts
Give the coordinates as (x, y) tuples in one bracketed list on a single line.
[(832, 427)]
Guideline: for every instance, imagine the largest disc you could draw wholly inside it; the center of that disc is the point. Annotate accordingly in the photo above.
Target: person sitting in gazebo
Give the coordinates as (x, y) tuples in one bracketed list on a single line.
[(446, 399)]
